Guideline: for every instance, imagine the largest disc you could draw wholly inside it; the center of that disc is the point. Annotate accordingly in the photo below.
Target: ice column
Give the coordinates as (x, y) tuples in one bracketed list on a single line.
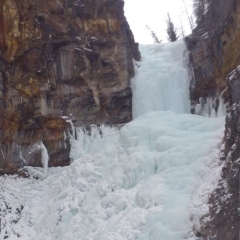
[(44, 159), (162, 80)]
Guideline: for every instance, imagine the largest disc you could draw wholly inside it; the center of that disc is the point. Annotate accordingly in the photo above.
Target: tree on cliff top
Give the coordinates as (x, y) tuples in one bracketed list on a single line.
[(153, 34), (200, 9), (171, 30)]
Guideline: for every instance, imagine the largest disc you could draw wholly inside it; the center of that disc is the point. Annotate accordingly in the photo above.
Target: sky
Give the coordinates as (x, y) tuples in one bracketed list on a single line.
[(153, 13)]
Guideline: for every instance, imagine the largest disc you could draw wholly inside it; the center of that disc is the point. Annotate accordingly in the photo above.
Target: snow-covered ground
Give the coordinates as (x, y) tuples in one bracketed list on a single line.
[(135, 183)]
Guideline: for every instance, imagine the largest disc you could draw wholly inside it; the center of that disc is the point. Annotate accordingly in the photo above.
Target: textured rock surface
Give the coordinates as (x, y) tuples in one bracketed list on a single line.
[(214, 48), (60, 58), (215, 55), (224, 206)]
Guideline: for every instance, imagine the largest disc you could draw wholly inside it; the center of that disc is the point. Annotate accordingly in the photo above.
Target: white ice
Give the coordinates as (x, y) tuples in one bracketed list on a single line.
[(135, 183), (44, 159), (161, 82)]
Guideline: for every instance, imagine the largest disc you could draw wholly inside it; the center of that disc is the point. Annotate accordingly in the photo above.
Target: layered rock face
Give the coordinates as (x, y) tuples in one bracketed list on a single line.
[(214, 48), (215, 54), (223, 220), (61, 59)]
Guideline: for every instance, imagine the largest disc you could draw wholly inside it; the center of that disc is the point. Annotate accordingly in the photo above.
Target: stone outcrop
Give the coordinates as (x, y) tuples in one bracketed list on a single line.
[(214, 48), (215, 56), (224, 207), (60, 59)]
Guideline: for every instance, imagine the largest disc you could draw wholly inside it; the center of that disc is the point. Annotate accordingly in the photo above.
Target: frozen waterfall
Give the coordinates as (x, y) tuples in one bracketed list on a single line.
[(135, 183), (161, 82)]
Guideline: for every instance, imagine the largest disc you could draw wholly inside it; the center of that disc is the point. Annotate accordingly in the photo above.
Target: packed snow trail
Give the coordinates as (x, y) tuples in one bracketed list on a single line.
[(135, 183)]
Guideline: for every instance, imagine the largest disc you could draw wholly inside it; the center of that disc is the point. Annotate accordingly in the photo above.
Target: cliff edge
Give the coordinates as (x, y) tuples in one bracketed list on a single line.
[(215, 57), (60, 61)]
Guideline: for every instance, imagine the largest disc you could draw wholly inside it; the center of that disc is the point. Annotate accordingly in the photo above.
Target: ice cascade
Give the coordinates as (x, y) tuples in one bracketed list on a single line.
[(44, 158), (161, 82), (133, 183)]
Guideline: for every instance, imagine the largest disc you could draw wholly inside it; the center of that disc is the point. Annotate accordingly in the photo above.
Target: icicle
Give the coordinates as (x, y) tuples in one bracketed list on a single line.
[(222, 108), (80, 135), (3, 154), (78, 145), (44, 159), (64, 138), (72, 128), (88, 142), (213, 113)]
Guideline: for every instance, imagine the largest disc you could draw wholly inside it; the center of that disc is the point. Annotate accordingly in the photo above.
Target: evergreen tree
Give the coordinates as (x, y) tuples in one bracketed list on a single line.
[(153, 34), (200, 8), (171, 31)]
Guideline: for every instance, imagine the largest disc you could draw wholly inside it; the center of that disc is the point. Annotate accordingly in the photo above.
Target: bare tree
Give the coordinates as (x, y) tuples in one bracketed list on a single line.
[(190, 20), (182, 29)]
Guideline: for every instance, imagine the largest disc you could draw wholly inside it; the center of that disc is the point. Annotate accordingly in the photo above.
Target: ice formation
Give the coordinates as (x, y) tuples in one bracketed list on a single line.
[(210, 107), (135, 183), (45, 158), (161, 82)]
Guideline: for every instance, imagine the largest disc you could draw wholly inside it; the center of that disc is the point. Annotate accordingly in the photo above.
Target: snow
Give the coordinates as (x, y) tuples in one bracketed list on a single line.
[(87, 49), (133, 183), (234, 73), (199, 208)]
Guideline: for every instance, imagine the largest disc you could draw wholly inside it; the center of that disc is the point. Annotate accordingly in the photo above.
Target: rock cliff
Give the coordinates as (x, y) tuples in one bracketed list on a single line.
[(214, 48), (215, 56), (60, 59)]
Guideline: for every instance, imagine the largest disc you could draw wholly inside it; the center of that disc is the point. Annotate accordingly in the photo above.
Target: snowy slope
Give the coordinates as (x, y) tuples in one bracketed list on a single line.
[(130, 184)]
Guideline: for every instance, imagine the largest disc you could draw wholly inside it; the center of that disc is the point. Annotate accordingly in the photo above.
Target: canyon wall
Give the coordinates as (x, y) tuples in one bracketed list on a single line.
[(60, 61), (214, 48), (215, 56)]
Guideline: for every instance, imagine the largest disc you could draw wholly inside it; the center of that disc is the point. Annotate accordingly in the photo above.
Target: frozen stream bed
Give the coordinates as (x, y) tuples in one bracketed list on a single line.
[(135, 183)]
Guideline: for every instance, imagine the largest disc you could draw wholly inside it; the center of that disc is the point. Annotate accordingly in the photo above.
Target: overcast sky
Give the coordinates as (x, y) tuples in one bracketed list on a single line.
[(153, 13)]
